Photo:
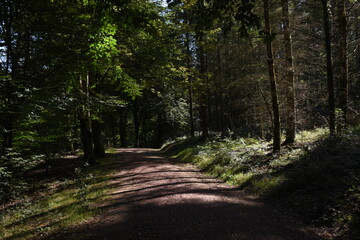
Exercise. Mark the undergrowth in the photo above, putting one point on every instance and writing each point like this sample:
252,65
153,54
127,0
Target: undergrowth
57,206
317,178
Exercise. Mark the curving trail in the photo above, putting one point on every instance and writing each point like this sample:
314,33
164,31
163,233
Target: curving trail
156,198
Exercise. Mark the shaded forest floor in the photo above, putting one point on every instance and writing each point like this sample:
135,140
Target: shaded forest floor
60,197
143,194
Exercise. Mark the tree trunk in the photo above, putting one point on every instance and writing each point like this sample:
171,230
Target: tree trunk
85,125
8,118
99,149
343,60
160,124
113,134
71,132
188,60
272,77
8,36
203,92
143,132
219,125
9,64
329,68
136,123
257,111
87,138
289,79
123,121
8,136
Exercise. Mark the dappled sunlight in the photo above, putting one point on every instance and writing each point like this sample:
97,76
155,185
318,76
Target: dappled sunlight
318,177
155,198
165,200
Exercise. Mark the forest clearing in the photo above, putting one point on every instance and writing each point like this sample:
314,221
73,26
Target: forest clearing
180,119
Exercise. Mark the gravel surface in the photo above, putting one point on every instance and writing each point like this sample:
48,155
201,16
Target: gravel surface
155,198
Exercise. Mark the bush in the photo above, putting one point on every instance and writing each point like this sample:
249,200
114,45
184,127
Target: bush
12,168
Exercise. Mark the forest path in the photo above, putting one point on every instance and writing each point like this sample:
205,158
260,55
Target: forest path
156,198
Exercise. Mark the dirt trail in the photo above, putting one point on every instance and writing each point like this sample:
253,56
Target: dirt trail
157,198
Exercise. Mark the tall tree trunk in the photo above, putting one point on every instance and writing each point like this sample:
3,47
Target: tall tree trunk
7,135
10,64
8,36
136,123
143,131
8,117
71,132
289,80
99,149
160,124
207,93
258,114
85,125
329,67
123,121
219,111
113,133
272,77
343,59
87,138
203,92
188,63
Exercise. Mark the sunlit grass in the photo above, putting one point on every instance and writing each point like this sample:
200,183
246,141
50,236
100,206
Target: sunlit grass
240,162
312,135
318,176
62,204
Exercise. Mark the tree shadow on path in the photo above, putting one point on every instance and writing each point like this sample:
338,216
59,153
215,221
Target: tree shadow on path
155,198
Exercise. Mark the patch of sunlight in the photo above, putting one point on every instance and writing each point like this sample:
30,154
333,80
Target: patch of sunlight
264,184
203,162
312,135
240,179
287,158
218,170
69,203
111,150
186,155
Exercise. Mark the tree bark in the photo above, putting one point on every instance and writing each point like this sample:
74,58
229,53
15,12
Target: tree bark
9,64
160,124
136,123
123,121
113,134
343,60
272,77
7,136
188,63
203,92
289,79
329,68
87,138
85,125
99,149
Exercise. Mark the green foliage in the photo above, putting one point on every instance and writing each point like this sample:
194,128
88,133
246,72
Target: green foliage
103,44
84,191
13,166
58,205
229,13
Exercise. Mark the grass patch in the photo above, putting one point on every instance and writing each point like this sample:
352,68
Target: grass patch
58,205
318,177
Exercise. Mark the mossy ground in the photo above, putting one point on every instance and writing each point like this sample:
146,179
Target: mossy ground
57,205
317,178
